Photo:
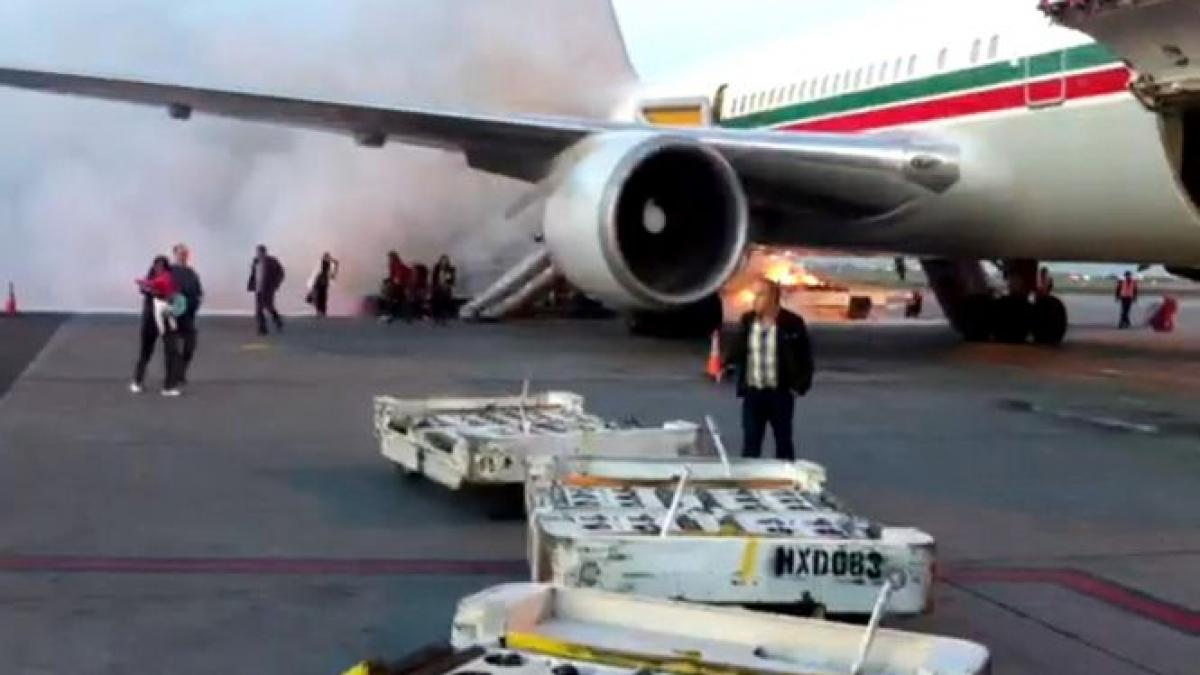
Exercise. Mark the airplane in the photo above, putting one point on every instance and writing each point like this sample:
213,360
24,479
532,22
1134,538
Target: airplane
994,133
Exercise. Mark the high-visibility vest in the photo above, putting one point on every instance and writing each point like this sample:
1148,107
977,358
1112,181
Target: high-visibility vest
1127,289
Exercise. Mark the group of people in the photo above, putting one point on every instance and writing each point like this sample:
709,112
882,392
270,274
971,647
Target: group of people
172,294
416,292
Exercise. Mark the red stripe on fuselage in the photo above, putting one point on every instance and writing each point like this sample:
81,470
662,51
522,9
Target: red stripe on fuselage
1008,97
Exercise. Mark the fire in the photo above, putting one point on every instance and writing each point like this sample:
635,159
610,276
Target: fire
781,267
789,273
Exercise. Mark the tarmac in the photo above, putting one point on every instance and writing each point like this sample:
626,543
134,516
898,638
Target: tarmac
252,526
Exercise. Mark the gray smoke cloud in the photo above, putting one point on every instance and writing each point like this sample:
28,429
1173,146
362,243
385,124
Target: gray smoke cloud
90,191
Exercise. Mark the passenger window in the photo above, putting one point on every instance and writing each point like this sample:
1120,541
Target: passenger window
912,65
858,76
870,75
942,57
975,47
993,47
899,68
802,90
792,94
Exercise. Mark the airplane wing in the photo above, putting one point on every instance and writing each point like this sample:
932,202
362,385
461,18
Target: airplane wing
876,173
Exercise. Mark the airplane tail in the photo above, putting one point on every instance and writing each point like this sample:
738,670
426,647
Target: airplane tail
585,41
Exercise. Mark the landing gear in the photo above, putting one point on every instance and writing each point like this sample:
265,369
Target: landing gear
975,318
1049,320
1014,319
980,316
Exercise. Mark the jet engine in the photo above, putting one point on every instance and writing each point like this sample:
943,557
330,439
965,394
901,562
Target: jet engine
645,220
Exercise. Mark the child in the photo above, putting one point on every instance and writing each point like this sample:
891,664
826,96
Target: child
168,302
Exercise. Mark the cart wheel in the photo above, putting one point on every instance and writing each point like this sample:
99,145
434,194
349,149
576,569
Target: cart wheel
818,612
503,502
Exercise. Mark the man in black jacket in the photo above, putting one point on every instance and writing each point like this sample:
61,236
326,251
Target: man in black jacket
774,363
188,283
266,276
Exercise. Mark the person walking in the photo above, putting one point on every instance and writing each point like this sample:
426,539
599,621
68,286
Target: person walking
188,283
318,284
159,307
418,292
266,276
445,276
395,289
1127,295
774,363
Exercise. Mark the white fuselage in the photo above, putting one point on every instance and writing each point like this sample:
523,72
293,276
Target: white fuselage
1059,160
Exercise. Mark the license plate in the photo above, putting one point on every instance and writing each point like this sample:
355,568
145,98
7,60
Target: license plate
801,561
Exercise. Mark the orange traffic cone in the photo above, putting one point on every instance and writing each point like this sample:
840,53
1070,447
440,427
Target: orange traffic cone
10,306
713,367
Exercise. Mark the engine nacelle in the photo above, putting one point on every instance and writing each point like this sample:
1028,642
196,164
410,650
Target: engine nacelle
644,220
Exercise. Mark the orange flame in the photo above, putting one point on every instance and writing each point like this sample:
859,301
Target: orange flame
787,273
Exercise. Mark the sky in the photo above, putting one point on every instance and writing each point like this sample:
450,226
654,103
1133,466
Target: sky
668,36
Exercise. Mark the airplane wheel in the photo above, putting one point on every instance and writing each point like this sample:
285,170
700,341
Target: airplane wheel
1049,320
1014,319
975,321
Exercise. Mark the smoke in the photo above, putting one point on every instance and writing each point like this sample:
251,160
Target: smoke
91,191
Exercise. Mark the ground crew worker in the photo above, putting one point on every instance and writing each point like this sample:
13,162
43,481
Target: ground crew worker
774,362
1045,283
1127,294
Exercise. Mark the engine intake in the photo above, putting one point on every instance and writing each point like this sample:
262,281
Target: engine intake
645,220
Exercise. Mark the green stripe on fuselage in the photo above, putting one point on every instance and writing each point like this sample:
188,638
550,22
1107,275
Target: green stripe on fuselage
991,75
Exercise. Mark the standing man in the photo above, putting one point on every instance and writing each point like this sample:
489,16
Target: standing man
444,278
774,361
1045,283
188,283
266,276
1127,294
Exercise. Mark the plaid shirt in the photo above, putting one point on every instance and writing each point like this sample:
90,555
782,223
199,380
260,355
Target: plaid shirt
762,365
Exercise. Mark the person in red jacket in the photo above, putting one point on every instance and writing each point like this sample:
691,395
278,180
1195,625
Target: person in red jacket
395,289
159,295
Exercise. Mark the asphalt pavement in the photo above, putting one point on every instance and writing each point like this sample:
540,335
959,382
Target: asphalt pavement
251,525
